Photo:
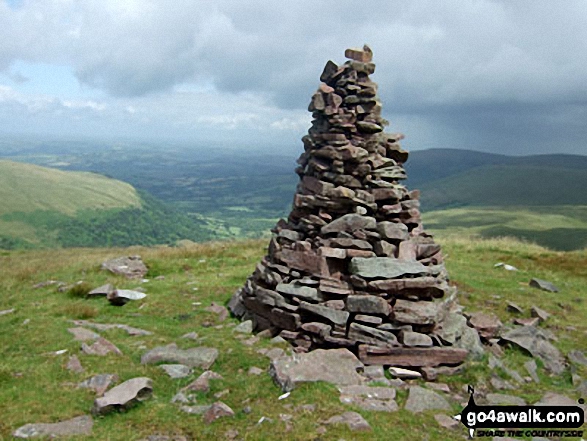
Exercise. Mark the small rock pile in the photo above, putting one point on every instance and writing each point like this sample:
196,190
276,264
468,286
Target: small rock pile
352,266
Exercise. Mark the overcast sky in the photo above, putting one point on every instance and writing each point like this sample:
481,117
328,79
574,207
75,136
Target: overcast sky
497,76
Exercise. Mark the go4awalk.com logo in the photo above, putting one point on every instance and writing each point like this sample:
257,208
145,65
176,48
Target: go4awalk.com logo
535,421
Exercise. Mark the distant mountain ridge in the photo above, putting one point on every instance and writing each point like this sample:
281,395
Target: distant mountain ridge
455,178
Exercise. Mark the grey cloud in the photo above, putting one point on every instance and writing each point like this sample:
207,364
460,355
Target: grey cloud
484,74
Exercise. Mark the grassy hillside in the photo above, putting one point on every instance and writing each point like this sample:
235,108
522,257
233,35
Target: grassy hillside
43,207
35,386
562,227
26,188
507,185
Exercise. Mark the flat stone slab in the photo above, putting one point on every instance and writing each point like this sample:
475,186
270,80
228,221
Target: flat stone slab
535,341
121,297
124,396
336,366
354,420
216,411
74,365
397,372
411,357
101,347
245,327
99,383
176,371
103,290
107,326
77,426
201,357
82,334
131,267
420,400
543,285
7,311
385,267
202,383
378,399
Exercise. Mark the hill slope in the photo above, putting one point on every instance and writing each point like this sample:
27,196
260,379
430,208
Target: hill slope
26,188
43,207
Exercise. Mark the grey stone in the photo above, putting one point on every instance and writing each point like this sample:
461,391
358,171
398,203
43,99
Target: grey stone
219,310
446,421
253,370
366,334
103,290
191,336
487,325
500,384
216,411
374,372
412,339
196,410
334,316
457,333
504,400
7,311
540,313
367,304
131,267
78,426
99,383
121,297
543,285
202,383
392,230
418,313
420,400
201,357
398,372
245,327
385,267
532,368
107,326
535,341
124,396
176,370
100,347
554,399
82,334
379,399
354,420
349,222
298,290
577,357
336,366
512,307
74,365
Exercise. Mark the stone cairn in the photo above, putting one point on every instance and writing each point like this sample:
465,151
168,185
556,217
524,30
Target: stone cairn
352,266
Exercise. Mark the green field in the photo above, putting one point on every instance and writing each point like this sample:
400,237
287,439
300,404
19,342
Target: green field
35,386
559,227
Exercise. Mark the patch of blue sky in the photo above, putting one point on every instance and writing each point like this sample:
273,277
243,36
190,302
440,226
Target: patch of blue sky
13,3
47,79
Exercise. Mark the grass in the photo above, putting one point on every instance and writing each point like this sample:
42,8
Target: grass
35,386
562,228
32,195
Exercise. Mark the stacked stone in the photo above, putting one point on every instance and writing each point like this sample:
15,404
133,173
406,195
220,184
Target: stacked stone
352,266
